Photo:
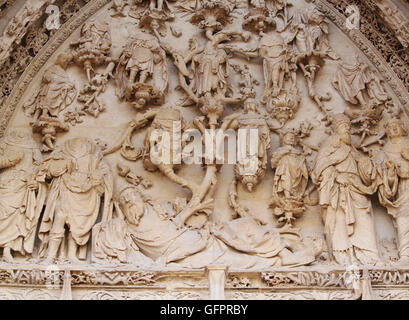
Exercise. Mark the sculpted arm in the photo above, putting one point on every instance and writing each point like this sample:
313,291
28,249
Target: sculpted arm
405,154
388,182
403,166
7,161
54,167
108,183
277,156
391,175
366,170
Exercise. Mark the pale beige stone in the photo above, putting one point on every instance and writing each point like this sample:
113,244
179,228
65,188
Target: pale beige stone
345,180
156,225
79,177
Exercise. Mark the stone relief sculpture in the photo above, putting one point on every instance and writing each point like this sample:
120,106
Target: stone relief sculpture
360,86
252,168
21,195
307,32
157,236
142,72
262,246
153,230
56,93
393,169
279,69
118,7
79,177
152,14
290,179
276,64
89,95
206,83
345,180
93,50
94,46
302,42
163,125
254,215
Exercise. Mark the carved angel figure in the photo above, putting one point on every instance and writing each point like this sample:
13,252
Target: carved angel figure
21,196
142,72
394,188
345,180
290,179
79,178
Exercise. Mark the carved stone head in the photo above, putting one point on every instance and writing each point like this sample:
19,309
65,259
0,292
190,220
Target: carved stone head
289,138
395,128
132,204
63,60
342,127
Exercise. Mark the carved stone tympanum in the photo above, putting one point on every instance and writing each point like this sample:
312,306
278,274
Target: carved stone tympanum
204,149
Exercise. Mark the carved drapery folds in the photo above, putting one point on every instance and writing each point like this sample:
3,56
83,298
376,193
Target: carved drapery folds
123,108
57,92
78,177
142,72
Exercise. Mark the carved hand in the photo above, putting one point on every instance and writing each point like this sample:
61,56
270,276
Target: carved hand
16,157
389,164
32,184
96,179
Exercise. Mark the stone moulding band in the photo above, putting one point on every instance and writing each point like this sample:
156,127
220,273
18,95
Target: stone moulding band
92,7
280,278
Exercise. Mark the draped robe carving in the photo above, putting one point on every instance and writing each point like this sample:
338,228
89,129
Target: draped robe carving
344,185
21,197
394,189
79,177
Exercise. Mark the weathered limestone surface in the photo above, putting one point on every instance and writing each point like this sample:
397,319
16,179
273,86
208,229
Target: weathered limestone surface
91,207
